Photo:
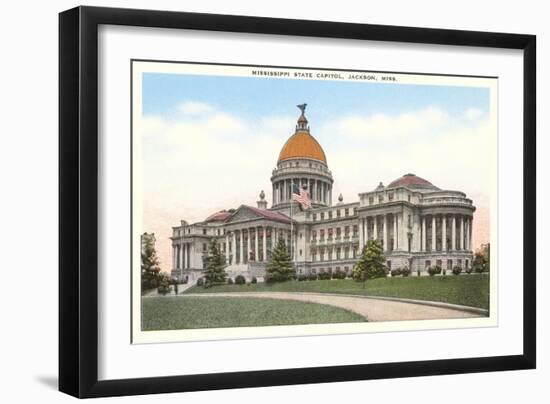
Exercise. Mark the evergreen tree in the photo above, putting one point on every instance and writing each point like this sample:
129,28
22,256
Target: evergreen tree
214,265
280,267
371,264
150,268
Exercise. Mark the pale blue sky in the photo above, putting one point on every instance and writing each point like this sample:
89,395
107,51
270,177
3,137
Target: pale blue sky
251,97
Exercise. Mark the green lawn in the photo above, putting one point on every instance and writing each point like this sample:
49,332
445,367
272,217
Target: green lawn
175,313
468,290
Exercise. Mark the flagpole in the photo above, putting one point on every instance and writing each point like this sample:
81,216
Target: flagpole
291,227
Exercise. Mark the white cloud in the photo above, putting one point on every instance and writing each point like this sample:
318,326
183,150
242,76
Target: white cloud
473,114
194,108
381,126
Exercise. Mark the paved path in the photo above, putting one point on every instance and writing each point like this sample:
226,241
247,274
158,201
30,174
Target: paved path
371,308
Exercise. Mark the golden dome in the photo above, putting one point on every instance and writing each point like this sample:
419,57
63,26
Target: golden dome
302,145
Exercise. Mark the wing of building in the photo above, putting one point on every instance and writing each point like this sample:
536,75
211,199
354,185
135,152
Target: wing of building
418,224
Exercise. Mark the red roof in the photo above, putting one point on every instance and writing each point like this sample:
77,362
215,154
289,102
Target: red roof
269,214
412,181
220,216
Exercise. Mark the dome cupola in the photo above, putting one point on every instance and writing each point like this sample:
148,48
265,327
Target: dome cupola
302,162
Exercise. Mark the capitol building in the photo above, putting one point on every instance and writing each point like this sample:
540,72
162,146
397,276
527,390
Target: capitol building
419,224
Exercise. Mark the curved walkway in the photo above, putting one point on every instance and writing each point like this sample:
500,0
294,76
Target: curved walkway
372,308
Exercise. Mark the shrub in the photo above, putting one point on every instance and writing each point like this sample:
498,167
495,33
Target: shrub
312,277
418,272
435,270
254,280
240,280
468,270
200,282
338,274
405,271
302,278
396,272
325,276
230,281
457,270
207,283
479,270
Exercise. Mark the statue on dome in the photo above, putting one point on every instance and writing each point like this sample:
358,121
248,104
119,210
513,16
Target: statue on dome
302,107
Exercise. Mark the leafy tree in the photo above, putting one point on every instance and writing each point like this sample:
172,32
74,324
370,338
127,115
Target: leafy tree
150,269
214,265
164,283
279,267
371,264
481,261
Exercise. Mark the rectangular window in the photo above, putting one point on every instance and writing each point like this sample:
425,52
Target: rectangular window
371,200
322,215
390,196
203,231
346,212
204,247
330,214
449,264
338,213
314,216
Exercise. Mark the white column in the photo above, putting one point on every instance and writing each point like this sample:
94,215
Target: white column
361,235
256,253
462,233
227,248
444,234
234,248
471,222
241,247
264,242
191,255
385,231
375,228
247,252
182,256
423,246
468,233
433,232
453,234
174,256
186,259
395,245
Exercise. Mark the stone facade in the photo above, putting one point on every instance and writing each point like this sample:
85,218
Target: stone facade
419,224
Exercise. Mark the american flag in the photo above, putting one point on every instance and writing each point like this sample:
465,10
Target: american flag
301,196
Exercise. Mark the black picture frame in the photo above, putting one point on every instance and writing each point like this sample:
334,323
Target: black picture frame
78,200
